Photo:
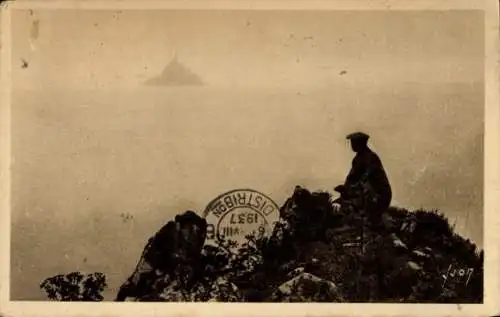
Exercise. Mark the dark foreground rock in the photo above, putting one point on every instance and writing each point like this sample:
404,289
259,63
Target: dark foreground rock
174,252
316,253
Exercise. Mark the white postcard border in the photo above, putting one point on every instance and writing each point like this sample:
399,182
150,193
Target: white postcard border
491,180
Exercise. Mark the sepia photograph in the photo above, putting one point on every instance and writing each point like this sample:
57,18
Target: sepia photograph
242,155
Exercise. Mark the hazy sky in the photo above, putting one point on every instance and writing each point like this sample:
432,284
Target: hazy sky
282,89
96,49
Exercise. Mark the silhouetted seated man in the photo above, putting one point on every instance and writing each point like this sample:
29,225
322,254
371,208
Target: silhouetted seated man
368,174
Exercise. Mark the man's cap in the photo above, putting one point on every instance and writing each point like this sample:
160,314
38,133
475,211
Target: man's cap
358,136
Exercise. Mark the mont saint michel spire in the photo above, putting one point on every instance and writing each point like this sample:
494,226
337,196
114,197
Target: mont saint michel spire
176,74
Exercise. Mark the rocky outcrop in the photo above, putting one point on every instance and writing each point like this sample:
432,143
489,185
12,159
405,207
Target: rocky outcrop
304,217
174,251
316,252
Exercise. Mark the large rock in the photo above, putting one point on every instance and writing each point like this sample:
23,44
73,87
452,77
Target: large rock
305,216
174,250
306,287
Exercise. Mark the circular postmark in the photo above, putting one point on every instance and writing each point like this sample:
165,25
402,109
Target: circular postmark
238,213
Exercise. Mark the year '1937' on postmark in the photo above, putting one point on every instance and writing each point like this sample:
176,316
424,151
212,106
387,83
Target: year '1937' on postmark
220,155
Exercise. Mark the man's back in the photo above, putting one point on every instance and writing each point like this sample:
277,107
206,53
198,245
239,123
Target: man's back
367,167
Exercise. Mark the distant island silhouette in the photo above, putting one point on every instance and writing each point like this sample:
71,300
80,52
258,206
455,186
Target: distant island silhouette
175,74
